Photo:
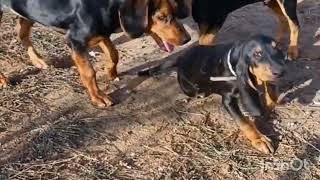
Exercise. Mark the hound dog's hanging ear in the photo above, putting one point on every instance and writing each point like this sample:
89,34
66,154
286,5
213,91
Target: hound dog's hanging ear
243,71
251,103
133,15
242,68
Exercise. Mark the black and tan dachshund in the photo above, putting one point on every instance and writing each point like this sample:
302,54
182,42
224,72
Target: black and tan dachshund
253,67
210,16
89,23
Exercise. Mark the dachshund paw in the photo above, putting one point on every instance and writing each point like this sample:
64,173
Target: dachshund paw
263,144
101,100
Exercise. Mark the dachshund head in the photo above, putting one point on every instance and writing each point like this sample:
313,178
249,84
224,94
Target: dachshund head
259,58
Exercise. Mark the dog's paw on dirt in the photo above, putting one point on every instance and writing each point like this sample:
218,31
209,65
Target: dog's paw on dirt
263,144
101,100
39,63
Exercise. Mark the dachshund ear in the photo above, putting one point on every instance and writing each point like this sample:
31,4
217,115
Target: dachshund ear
242,72
133,15
249,96
242,68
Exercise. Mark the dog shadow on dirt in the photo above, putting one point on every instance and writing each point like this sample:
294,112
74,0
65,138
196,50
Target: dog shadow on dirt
68,128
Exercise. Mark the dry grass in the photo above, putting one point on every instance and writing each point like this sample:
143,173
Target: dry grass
49,130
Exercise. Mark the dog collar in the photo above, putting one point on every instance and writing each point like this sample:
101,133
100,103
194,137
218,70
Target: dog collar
226,78
231,78
229,64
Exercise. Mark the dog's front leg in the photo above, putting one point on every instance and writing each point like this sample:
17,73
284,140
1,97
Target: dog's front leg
88,75
110,55
112,58
258,140
24,31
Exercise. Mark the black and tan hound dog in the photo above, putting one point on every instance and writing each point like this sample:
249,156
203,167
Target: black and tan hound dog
252,66
210,16
89,23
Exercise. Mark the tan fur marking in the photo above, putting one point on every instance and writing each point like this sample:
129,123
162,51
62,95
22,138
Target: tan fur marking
24,30
271,96
262,72
207,36
110,53
3,81
111,57
88,77
173,31
285,23
258,140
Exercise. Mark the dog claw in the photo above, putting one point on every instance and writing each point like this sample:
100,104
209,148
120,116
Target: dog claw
263,144
102,101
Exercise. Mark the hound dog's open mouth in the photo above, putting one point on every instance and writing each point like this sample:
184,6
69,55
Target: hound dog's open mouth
165,46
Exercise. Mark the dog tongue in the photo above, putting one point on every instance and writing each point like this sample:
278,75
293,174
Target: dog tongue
169,47
164,46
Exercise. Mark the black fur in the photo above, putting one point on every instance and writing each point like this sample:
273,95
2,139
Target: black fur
89,24
199,63
84,19
213,14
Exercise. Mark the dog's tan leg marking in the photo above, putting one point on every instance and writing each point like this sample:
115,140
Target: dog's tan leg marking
88,77
257,139
207,36
286,24
111,56
24,30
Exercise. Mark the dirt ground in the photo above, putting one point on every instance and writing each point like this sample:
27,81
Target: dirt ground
49,129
